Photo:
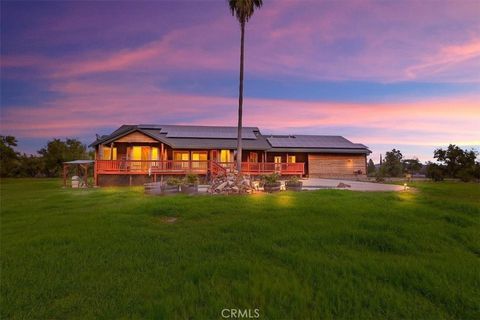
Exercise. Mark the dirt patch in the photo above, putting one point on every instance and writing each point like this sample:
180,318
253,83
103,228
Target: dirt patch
168,220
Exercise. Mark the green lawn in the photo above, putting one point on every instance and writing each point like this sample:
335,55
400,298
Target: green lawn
108,253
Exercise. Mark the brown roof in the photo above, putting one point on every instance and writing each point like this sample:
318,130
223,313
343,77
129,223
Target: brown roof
220,137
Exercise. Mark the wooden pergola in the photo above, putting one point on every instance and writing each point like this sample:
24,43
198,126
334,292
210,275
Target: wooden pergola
79,165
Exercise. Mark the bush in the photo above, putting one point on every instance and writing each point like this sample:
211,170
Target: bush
466,174
371,169
174,181
271,178
293,181
476,171
380,174
435,172
191,179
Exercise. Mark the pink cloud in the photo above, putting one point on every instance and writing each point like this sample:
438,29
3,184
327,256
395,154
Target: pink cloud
85,108
448,57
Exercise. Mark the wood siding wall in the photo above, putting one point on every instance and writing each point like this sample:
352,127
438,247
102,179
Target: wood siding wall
136,137
336,165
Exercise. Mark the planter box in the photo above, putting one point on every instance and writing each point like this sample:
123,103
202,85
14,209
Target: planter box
272,187
154,188
170,189
190,189
294,186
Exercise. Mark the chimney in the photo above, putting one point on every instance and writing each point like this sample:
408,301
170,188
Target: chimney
380,158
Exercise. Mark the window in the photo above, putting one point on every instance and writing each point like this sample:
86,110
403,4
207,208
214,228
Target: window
136,153
291,159
181,155
224,155
199,159
154,153
253,157
199,155
107,153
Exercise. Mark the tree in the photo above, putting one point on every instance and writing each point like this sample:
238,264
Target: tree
392,165
458,163
435,171
371,167
243,11
57,151
412,165
31,166
8,156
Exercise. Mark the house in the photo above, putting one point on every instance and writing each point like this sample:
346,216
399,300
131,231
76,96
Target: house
134,154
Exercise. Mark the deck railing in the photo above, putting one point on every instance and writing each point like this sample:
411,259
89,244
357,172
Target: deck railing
271,167
193,166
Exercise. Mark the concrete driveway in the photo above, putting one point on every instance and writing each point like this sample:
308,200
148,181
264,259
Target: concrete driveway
317,183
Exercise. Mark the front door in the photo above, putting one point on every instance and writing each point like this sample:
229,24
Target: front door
278,163
140,155
214,155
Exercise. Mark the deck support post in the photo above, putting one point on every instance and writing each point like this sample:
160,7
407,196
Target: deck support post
95,176
162,155
64,175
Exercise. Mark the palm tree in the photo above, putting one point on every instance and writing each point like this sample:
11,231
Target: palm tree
243,11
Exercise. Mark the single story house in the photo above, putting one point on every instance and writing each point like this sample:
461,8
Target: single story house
134,154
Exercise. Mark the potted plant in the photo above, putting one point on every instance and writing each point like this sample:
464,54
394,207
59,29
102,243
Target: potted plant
294,184
190,184
271,183
172,185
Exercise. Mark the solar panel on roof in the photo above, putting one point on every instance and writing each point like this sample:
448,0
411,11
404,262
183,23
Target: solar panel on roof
207,132
304,141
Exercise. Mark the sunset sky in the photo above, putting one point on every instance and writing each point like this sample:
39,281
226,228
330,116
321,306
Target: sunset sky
388,74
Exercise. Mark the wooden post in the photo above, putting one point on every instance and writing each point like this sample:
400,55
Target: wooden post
64,175
95,177
190,162
85,175
162,156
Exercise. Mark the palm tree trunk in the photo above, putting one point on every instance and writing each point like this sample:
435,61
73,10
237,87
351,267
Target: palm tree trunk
240,103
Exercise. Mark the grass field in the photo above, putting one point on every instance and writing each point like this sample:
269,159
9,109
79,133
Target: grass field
109,253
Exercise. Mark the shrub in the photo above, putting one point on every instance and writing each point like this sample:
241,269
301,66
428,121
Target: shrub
380,175
371,169
476,171
435,172
466,174
191,179
174,181
270,178
293,180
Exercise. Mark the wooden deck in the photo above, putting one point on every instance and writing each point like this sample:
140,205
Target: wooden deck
172,167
